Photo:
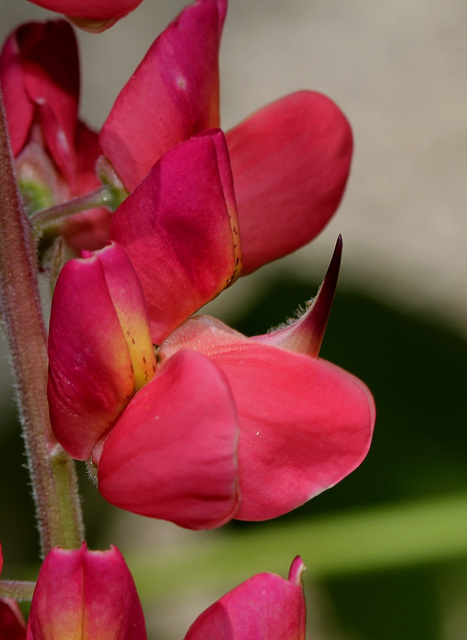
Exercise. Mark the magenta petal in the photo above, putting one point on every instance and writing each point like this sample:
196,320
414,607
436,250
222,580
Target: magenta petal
265,607
91,372
173,94
290,163
172,454
179,228
304,425
90,9
85,594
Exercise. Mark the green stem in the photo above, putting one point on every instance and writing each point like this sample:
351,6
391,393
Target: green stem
18,590
102,197
54,483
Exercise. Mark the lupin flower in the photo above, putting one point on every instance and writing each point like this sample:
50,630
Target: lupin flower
55,152
85,594
265,607
303,424
213,425
290,160
91,15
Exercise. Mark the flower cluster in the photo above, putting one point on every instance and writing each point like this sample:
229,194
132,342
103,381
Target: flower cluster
179,416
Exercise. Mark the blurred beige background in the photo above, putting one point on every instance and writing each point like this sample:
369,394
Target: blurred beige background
399,71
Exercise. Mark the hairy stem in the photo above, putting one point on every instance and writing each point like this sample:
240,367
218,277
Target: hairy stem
100,198
54,485
18,590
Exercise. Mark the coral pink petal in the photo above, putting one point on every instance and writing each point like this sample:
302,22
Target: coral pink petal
265,607
172,454
304,425
290,163
179,228
90,9
91,376
85,594
173,94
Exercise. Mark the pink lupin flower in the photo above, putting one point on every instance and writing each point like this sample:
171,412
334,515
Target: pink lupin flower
91,15
226,426
290,160
82,594
265,607
304,424
55,152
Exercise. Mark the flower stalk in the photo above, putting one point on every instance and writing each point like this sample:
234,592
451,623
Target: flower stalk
19,590
53,476
102,197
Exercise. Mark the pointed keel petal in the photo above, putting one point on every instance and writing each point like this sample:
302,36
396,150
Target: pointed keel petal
306,334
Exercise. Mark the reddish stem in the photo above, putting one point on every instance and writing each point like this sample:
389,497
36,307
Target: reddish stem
58,509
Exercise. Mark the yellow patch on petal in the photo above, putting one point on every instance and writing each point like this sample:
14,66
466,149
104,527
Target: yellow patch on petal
141,351
130,306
